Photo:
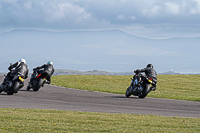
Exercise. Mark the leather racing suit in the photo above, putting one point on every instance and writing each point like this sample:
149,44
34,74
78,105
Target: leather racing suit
20,67
48,69
149,72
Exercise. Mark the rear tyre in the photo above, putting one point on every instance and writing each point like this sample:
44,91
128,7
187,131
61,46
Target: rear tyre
38,85
14,88
128,92
145,91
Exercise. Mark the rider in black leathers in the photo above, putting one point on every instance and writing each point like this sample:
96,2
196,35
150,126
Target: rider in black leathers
48,69
20,67
149,72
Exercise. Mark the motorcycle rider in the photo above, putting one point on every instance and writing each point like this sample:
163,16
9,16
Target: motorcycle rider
149,72
47,68
20,67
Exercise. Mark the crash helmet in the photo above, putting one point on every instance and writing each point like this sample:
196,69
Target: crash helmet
22,60
49,63
150,65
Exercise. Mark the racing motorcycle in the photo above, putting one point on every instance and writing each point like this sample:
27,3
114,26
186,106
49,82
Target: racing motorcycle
13,86
37,81
140,86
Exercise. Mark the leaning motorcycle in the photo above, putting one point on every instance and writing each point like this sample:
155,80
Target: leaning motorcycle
13,86
140,86
37,81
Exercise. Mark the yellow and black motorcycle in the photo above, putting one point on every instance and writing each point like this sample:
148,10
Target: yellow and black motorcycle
13,86
140,86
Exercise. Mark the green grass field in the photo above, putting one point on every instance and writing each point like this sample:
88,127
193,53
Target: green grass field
53,121
179,87
184,87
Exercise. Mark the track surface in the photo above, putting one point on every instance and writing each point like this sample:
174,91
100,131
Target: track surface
59,98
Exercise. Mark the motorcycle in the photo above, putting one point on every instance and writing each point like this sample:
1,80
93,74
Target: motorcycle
37,81
140,86
13,86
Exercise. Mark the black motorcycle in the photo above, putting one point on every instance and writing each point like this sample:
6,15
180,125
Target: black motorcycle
37,80
140,86
13,86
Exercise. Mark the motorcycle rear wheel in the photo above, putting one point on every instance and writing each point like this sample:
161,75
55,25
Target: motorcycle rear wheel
145,91
38,85
14,88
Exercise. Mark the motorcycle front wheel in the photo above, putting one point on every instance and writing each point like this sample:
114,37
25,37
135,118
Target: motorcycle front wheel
128,92
1,90
14,88
38,85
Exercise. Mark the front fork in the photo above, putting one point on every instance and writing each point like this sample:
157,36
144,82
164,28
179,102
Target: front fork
136,85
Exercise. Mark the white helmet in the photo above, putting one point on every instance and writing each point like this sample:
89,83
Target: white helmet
22,60
49,62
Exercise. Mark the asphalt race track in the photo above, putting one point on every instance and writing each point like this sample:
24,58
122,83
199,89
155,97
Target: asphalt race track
60,98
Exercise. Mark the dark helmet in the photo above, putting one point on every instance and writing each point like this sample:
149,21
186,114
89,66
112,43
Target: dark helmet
150,65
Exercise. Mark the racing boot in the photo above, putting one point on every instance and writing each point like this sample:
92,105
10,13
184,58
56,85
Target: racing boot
28,87
153,87
45,81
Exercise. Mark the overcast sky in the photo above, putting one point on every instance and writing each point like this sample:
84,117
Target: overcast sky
143,18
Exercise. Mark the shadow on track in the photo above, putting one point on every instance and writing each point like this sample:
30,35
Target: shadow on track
124,97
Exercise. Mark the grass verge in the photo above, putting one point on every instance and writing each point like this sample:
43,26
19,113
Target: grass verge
53,121
179,87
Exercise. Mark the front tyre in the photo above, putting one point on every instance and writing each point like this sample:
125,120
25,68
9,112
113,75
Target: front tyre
38,85
128,92
145,91
1,88
14,88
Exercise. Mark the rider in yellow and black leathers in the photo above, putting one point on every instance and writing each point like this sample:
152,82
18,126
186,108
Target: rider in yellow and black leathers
20,67
149,72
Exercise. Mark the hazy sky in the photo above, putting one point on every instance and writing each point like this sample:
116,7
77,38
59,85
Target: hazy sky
144,18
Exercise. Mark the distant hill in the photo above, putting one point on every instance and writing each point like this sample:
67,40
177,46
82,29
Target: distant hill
96,72
109,50
93,72
168,73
